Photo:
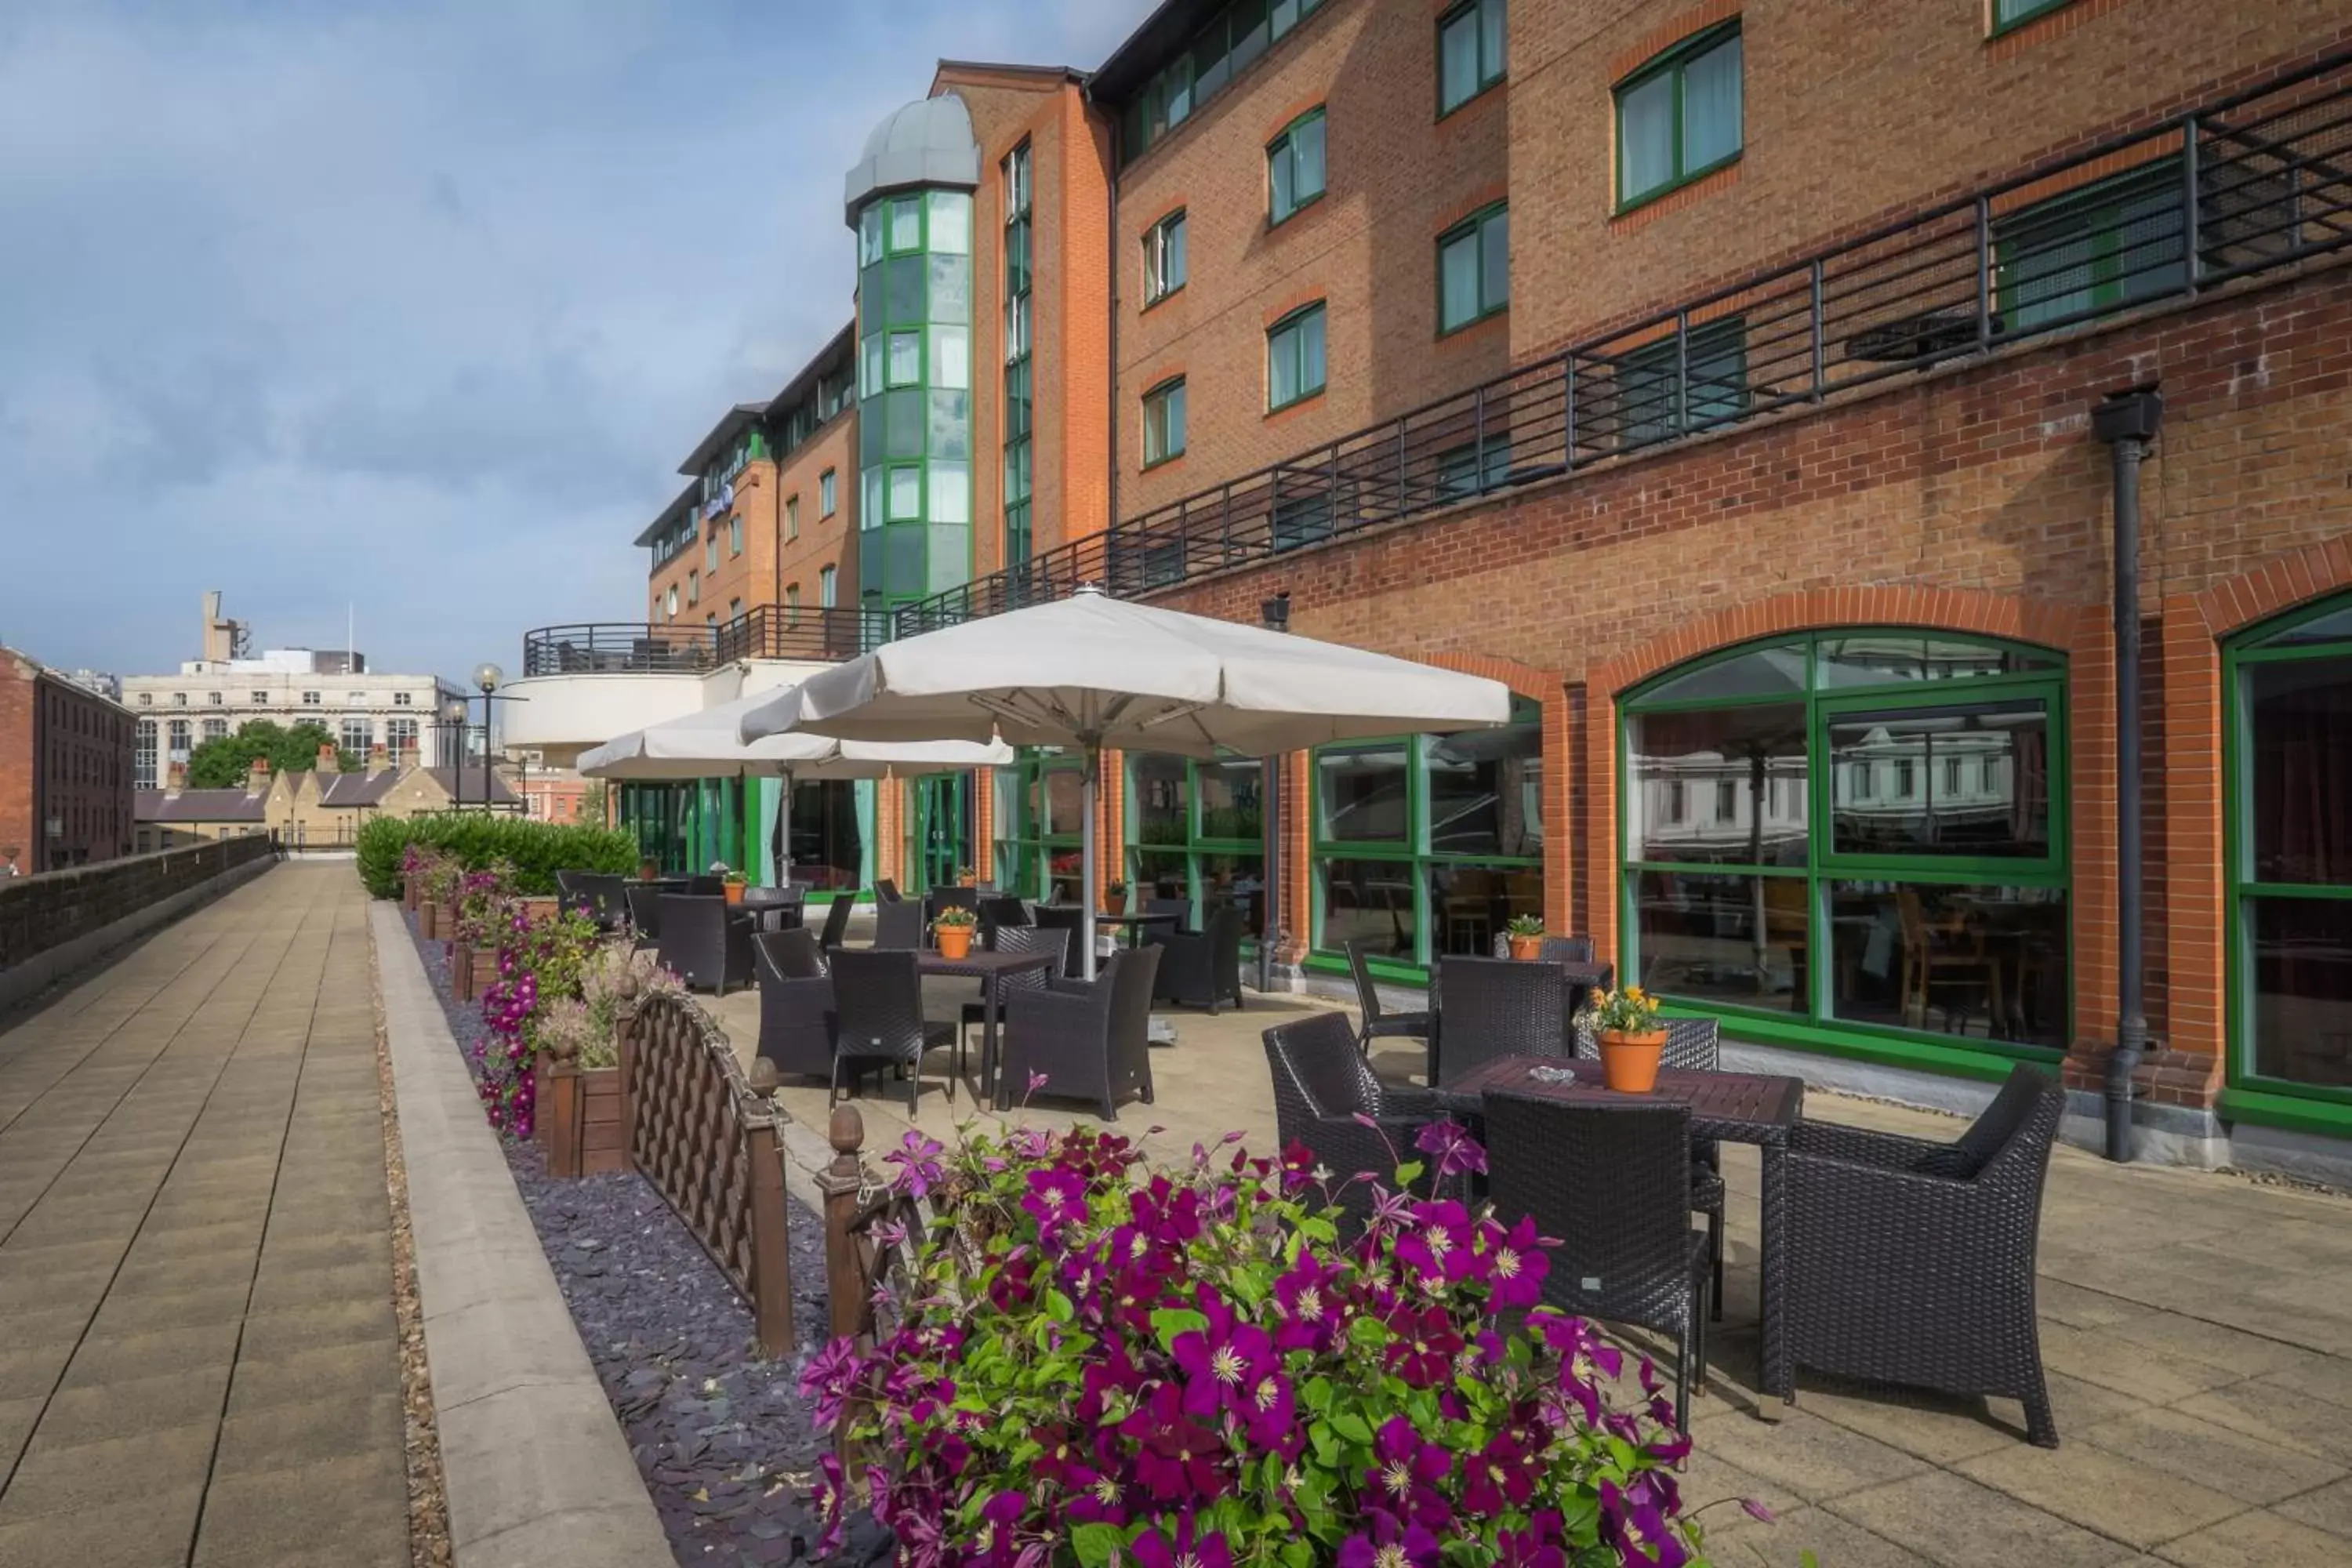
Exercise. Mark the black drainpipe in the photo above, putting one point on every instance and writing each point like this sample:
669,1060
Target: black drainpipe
2127,423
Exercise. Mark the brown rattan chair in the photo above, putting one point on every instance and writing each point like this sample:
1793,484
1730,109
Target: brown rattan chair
878,1003
1379,1023
1489,1007
706,941
1321,1084
1090,1041
795,1003
998,913
1612,1182
1202,968
885,891
1913,1262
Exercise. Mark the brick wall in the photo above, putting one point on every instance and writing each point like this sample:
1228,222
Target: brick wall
823,541
1396,176
37,913
65,757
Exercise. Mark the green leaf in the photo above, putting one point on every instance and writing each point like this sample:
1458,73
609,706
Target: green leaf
1058,1308
1409,1172
1296,1554
1352,1426
1095,1544
1367,1332
1317,1394
1327,1444
1166,1322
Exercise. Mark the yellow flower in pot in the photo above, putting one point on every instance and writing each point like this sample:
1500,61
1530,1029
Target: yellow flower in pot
953,931
1526,935
1631,1037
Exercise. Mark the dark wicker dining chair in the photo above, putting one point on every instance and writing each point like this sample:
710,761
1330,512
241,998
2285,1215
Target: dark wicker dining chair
606,903
707,886
645,911
998,913
1614,1183
885,891
1090,1041
1202,968
877,1006
1055,917
1489,1007
836,918
1692,1045
1912,1262
899,925
1013,939
573,895
1379,1023
706,942
1180,908
1321,1084
795,1003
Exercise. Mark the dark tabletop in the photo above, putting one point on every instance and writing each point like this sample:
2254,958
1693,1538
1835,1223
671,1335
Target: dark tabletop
1163,917
1738,1106
983,962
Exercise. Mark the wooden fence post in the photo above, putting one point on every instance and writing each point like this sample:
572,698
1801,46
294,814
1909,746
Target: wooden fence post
771,1267
845,1285
625,1041
561,1112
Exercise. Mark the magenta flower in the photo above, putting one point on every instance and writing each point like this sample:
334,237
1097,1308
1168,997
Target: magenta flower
1270,1413
1451,1145
1187,1550
918,1162
1423,1349
1390,1544
1501,1475
1537,1546
1221,1361
1177,1457
1098,1497
1166,1212
826,1378
1303,1298
1633,1518
1516,1266
1406,1473
1057,1198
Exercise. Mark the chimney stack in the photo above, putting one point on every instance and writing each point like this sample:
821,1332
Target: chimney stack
256,778
408,759
379,759
175,779
329,762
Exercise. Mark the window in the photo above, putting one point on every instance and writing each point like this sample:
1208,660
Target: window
669,601
1163,422
216,729
261,699
309,699
1469,52
1431,845
1197,833
2289,793
1831,885
1474,269
711,552
146,699
179,700
827,587
404,699
2100,249
694,588
1669,388
1019,408
399,738
735,534
1164,258
2008,14
1038,823
357,735
828,494
1294,166
791,517
212,698
1294,358
792,604
1679,116
734,609
178,736
1235,40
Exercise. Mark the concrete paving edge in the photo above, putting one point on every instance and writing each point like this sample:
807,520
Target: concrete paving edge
536,1470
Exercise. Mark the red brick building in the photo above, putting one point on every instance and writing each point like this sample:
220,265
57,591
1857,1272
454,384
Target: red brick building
65,769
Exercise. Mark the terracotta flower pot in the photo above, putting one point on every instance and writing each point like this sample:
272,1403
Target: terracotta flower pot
1629,1063
648,870
734,891
1527,949
955,942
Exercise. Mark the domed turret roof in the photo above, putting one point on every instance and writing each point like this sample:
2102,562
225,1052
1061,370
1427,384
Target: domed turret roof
926,143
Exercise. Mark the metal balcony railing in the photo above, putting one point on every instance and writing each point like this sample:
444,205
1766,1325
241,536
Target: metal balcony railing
628,647
2255,182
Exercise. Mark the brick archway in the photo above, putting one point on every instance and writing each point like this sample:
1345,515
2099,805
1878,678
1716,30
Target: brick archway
2078,631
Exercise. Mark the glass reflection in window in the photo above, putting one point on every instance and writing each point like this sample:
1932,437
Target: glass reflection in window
1894,793
1687,768
1988,963
1729,937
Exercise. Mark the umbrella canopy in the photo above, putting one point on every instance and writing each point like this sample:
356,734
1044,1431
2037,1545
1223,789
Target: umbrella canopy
1094,671
709,744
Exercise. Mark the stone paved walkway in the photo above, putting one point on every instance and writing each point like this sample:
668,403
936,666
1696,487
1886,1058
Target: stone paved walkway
198,1364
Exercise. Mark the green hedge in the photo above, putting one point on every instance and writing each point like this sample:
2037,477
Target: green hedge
537,850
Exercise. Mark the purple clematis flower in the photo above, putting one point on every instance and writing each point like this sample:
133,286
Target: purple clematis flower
1537,1546
1178,1457
1405,1475
1305,1297
1499,1476
1057,1198
918,1162
1389,1545
826,1380
1221,1361
1633,1518
1270,1413
1451,1145
1189,1549
1515,1265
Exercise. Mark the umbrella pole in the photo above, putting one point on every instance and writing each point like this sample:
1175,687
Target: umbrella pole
1088,787
785,834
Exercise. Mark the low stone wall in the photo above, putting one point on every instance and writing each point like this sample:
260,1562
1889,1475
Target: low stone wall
58,920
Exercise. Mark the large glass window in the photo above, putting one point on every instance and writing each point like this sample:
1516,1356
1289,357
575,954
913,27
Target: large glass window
1858,827
1294,358
1017,383
1676,385
1474,269
2098,248
1294,166
1194,829
2291,854
1163,422
1039,817
1429,845
1164,258
1469,52
827,835
1679,116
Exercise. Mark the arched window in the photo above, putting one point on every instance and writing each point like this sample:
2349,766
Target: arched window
2289,685
1859,828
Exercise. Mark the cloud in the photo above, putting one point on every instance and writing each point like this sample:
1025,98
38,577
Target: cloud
414,306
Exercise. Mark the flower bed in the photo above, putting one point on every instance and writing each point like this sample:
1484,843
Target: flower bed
1200,1369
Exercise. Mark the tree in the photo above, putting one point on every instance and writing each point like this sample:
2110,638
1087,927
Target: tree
595,802
227,762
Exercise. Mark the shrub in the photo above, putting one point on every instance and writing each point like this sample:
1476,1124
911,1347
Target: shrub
535,851
1199,1369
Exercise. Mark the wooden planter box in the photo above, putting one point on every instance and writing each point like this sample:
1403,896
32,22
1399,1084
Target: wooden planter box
471,970
428,921
580,1118
539,911
408,895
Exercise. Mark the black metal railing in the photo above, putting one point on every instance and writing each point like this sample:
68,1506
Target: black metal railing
2261,181
629,648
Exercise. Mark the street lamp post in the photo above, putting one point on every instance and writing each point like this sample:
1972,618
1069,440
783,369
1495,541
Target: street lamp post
453,728
488,675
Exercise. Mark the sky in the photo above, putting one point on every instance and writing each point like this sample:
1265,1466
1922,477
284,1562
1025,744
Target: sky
408,311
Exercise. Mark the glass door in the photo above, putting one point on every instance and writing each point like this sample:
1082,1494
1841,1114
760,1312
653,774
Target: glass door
940,842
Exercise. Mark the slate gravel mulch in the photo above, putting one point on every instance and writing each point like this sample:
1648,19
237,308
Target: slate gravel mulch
723,1440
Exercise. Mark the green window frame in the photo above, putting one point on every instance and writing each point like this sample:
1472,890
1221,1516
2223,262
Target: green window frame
1672,388
828,493
1036,849
1474,269
2010,14
1472,41
1669,134
2099,249
1200,853
1295,166
1163,422
735,534
2302,653
1234,38
1164,258
1391,863
1831,717
1020,413
1295,357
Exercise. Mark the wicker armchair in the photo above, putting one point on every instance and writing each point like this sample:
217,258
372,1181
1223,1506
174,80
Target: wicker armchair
1014,939
795,1003
899,925
706,887
607,906
1181,908
836,918
706,942
1692,1045
591,893
645,911
1489,1007
1091,1042
940,898
1073,920
1912,1262
885,891
1612,1181
791,901
1000,913
878,1003
1203,968
1321,1084
1379,1024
